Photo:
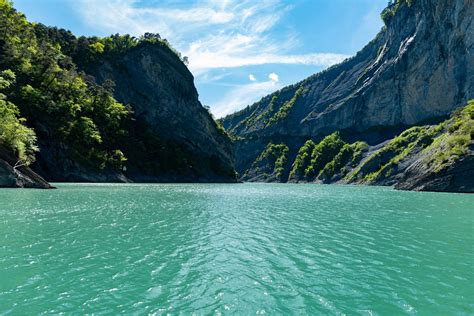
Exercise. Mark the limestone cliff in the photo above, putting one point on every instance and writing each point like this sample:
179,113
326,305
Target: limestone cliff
159,88
167,135
418,69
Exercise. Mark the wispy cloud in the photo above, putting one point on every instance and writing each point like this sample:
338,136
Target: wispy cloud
240,39
244,95
214,34
203,60
127,16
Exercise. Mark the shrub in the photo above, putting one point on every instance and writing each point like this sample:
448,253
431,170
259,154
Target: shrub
323,153
274,157
14,134
382,162
337,163
302,160
454,142
262,117
285,108
392,9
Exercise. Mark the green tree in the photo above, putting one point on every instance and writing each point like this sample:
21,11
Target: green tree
14,135
74,112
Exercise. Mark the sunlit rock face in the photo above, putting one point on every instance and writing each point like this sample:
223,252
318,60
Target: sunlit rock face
419,68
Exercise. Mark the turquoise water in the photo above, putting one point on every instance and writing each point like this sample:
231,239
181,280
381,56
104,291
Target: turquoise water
243,249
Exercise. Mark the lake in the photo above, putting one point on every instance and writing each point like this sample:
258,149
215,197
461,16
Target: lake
235,248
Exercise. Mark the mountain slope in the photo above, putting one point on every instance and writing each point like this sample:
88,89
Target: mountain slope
159,88
109,109
418,69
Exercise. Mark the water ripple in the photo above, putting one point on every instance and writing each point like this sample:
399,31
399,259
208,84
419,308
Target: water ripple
245,249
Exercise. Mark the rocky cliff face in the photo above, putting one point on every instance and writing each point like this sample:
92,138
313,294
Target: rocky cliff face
110,109
166,134
159,88
419,68
456,177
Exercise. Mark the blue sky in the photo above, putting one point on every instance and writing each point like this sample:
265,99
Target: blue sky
239,50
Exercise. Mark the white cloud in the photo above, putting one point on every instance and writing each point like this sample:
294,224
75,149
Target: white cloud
243,95
214,34
204,60
273,77
125,16
240,39
252,77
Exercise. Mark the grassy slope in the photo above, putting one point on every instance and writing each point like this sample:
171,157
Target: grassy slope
333,159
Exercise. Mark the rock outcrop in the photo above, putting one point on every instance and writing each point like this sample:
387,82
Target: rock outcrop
456,177
18,177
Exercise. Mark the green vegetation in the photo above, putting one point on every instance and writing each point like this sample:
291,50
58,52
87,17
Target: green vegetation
338,162
323,153
285,108
55,98
392,9
87,49
358,148
383,162
220,128
262,113
274,157
302,160
14,135
120,43
455,141
325,159
262,117
217,122
255,118
239,117
441,144
348,153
